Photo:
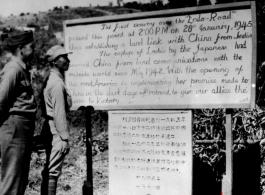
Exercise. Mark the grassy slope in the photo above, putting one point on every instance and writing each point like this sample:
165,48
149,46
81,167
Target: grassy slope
74,169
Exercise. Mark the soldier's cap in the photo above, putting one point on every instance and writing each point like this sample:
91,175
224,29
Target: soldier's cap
56,51
20,39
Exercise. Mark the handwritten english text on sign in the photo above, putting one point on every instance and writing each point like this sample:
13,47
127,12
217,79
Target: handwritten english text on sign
188,60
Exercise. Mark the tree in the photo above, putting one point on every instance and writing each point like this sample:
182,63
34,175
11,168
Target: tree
22,14
132,5
224,1
177,4
66,7
205,2
181,4
119,2
192,3
159,4
55,8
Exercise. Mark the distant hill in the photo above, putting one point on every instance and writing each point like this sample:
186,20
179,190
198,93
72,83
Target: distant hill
24,20
56,17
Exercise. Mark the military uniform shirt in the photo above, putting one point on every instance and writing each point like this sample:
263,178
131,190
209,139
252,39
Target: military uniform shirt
57,103
16,93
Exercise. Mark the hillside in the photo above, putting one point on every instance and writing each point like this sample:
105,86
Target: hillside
56,17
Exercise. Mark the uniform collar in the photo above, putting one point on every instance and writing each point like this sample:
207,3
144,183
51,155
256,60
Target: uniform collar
57,73
19,61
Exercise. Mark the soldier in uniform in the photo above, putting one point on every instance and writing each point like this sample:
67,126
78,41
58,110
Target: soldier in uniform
17,115
57,103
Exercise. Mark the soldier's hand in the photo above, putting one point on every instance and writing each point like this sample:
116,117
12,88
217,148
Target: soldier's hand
65,147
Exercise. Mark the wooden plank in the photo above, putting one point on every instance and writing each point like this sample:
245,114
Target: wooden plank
254,52
227,182
88,184
170,12
224,141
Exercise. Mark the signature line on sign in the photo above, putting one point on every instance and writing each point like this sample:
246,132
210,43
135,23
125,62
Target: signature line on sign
244,100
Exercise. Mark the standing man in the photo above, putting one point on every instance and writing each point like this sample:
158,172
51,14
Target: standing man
57,103
17,115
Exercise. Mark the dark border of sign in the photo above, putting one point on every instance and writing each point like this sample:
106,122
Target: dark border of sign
178,12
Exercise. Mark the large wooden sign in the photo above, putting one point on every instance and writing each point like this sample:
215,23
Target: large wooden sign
203,57
150,152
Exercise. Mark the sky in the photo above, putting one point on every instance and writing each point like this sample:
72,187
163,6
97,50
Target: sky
16,7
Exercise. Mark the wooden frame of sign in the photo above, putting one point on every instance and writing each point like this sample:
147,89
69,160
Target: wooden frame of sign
198,57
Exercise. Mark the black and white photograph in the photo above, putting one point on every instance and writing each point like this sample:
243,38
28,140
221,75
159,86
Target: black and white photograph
132,97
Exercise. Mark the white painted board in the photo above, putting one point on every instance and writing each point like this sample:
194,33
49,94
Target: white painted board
150,152
171,59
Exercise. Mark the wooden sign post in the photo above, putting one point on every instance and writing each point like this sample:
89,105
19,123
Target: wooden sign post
88,184
227,182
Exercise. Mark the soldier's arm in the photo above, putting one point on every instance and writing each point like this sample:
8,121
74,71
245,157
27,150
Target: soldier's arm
8,82
59,115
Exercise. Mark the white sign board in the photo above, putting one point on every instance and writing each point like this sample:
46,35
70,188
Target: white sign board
150,152
190,58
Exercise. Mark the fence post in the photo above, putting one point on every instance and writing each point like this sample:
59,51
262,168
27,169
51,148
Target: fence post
227,182
88,184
